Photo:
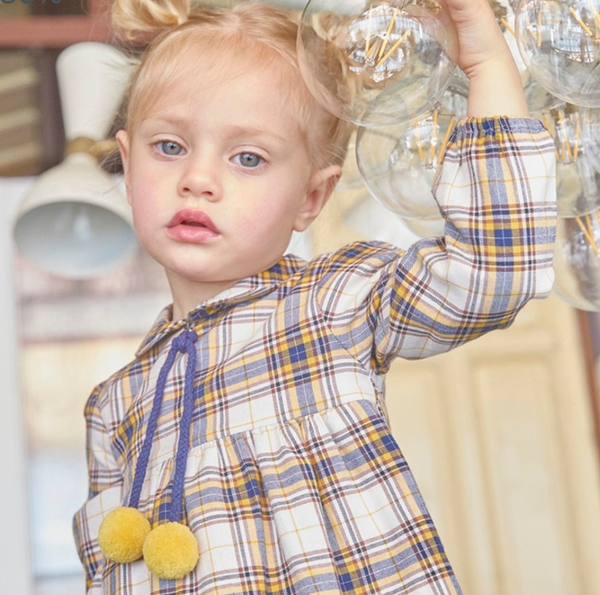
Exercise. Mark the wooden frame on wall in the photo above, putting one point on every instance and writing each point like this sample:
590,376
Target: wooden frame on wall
57,31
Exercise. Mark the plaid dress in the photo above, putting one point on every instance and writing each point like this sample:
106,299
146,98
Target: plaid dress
294,484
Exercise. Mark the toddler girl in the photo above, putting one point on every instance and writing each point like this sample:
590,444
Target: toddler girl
245,449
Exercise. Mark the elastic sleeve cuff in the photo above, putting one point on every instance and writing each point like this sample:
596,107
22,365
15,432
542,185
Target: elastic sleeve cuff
495,125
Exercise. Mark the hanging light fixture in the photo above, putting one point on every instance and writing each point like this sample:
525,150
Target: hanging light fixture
75,221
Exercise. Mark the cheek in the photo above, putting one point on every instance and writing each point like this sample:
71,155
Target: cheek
272,218
145,190
145,208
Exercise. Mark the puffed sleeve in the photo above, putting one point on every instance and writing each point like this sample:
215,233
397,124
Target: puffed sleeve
105,489
496,191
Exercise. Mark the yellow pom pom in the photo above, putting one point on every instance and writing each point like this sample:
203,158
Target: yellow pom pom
122,534
171,551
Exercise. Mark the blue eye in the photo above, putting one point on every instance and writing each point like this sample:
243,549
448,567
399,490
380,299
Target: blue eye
248,160
169,147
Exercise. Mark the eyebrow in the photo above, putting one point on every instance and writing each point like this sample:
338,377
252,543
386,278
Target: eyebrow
233,130
171,120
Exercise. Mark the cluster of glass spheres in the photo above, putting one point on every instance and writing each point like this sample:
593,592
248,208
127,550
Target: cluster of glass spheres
389,67
379,62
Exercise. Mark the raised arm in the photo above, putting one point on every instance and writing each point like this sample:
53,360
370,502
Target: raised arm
496,191
495,83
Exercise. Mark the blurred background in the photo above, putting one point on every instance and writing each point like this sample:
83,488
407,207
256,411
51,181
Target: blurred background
503,435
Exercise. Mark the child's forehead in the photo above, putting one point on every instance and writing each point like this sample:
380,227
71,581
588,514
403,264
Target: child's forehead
211,68
242,89
218,58
187,82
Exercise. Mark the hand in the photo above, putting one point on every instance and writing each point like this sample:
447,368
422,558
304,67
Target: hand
480,39
484,56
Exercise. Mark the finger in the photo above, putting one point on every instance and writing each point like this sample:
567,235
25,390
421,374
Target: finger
469,12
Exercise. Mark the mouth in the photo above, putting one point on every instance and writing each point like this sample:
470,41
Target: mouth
193,219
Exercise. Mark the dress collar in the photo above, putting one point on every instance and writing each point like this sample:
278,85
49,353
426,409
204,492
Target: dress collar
246,290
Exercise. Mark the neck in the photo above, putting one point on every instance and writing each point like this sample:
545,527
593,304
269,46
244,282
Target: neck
188,295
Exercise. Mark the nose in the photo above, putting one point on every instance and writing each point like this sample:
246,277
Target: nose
200,177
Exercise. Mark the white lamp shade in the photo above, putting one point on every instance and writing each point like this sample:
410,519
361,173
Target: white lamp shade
92,78
75,222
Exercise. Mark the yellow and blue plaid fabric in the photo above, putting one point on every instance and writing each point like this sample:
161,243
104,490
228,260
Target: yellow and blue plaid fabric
294,484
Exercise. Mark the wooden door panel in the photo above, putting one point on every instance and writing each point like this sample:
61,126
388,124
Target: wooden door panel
500,437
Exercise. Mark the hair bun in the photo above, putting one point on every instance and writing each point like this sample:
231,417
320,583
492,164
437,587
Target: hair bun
132,18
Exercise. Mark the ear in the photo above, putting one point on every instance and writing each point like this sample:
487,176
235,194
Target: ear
124,146
322,184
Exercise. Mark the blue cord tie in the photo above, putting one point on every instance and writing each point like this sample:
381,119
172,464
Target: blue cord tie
184,343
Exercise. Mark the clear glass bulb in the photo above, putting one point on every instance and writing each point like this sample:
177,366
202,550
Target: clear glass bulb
379,62
399,162
577,261
577,181
351,178
590,131
427,228
538,98
559,41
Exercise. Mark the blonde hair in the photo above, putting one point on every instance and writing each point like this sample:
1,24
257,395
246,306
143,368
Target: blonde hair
247,31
